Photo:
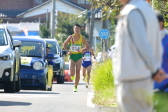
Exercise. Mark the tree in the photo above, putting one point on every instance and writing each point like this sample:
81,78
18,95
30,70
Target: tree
65,25
162,6
110,8
44,30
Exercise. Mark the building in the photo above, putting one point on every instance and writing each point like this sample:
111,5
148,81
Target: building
10,9
34,11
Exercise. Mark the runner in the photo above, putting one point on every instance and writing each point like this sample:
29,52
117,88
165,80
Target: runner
76,40
87,63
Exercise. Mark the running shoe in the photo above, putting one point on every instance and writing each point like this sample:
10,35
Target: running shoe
87,85
72,77
75,89
83,78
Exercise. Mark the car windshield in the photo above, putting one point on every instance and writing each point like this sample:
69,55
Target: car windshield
53,47
3,40
31,49
66,66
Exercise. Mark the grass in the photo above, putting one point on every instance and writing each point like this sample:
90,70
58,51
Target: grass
103,84
160,101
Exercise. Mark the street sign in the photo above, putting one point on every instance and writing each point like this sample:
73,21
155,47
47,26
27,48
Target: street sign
104,33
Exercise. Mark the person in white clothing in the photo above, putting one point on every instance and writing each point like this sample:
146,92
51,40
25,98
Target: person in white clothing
138,56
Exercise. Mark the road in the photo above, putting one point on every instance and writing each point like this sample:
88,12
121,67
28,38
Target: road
60,99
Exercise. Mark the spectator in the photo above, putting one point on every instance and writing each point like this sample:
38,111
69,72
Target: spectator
163,86
138,56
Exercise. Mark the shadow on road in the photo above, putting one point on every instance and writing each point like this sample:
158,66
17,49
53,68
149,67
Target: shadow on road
30,92
27,92
11,103
71,83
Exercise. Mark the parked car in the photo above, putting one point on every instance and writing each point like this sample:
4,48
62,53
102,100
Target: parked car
58,66
67,76
34,65
9,62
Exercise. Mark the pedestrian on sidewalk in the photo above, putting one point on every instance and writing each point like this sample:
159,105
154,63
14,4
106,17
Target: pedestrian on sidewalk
76,40
138,56
87,63
163,86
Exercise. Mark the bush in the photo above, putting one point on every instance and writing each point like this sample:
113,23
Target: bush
160,101
103,84
102,76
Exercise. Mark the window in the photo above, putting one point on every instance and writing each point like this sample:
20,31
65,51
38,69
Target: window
32,49
3,39
11,40
53,47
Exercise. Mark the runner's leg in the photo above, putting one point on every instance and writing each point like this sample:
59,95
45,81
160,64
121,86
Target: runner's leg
88,73
83,72
72,67
78,67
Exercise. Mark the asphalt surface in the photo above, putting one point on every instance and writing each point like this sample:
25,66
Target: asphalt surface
60,99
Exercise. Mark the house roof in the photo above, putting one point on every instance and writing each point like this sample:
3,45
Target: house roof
12,13
47,2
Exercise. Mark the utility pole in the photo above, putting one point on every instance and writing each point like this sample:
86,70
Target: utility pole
91,39
53,20
104,41
47,18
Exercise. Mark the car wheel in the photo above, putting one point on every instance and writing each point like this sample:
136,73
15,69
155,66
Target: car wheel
18,84
9,87
60,79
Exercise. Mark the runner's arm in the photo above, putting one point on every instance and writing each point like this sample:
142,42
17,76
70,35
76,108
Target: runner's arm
66,43
85,43
92,53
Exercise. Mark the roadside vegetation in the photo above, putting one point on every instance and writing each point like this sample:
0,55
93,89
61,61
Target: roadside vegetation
102,79
160,101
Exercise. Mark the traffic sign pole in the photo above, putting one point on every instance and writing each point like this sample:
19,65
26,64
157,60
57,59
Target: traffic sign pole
103,49
104,34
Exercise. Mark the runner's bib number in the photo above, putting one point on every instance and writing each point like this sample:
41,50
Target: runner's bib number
75,48
87,57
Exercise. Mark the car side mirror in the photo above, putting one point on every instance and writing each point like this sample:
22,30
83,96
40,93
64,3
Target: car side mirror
17,43
50,56
64,52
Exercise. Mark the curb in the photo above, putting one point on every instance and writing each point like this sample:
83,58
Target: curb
100,108
108,109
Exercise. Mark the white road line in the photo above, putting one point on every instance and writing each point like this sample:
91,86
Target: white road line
89,100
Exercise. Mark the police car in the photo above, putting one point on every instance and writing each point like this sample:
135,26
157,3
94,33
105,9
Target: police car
34,65
9,62
58,66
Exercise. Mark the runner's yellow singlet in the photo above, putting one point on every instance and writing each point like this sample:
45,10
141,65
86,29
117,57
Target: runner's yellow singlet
76,45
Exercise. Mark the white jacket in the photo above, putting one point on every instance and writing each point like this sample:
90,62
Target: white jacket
138,43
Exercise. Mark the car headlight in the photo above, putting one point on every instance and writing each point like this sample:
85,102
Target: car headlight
56,61
37,65
5,58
